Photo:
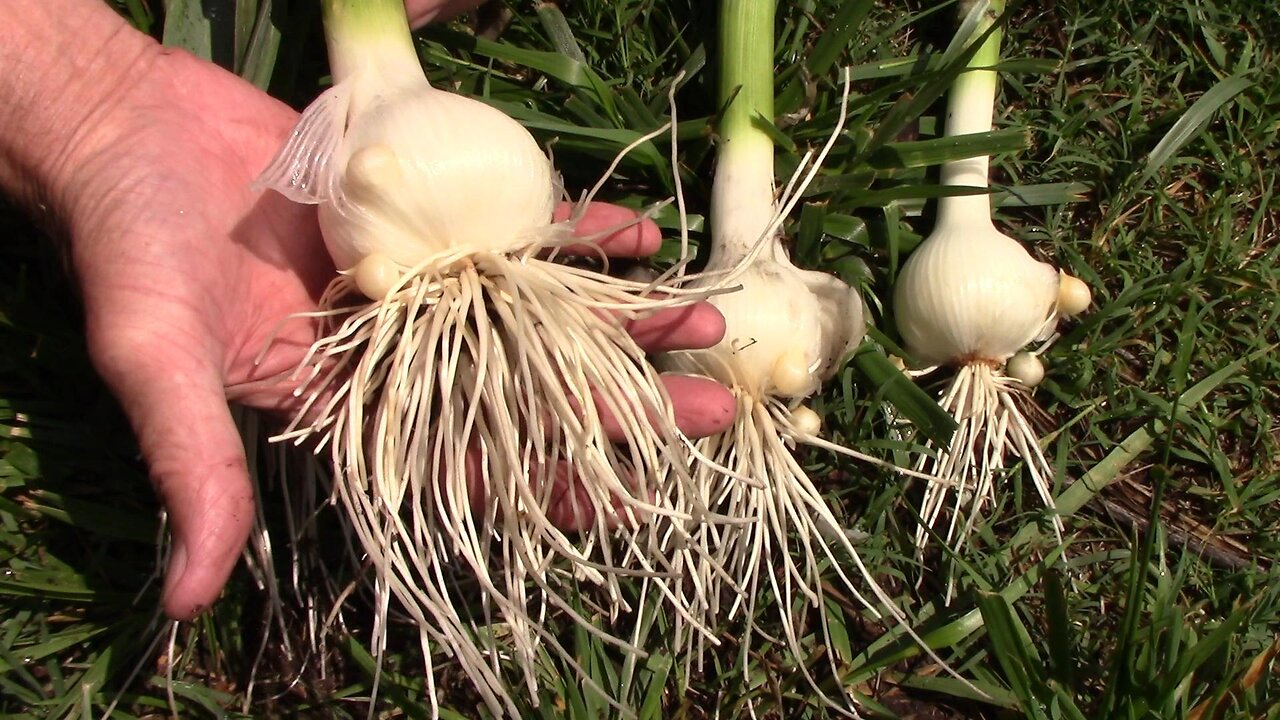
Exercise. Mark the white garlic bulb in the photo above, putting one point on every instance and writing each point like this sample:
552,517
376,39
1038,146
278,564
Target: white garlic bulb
407,172
972,294
785,330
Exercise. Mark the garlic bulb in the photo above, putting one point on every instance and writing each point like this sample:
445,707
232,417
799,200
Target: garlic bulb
972,294
413,172
426,171
401,171
785,330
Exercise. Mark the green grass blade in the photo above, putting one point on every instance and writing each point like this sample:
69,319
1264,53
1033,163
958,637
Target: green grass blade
658,668
1193,122
890,384
258,59
63,640
1040,194
894,647
558,66
140,15
246,14
559,32
1012,648
839,32
615,139
1109,469
952,64
390,684
97,518
990,692
935,151
1060,639
132,636
186,26
1196,656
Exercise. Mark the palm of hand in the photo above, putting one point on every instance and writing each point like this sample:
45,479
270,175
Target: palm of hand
177,230
186,272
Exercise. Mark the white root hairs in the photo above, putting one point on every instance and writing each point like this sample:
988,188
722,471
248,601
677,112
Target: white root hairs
784,540
989,428
450,407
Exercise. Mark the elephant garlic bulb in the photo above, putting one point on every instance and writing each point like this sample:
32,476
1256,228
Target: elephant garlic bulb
972,298
970,293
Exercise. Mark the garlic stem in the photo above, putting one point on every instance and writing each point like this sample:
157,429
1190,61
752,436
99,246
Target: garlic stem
372,38
971,110
742,195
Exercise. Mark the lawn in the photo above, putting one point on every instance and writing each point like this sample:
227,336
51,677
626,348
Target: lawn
1137,147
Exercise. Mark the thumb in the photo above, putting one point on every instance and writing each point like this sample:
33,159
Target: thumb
172,393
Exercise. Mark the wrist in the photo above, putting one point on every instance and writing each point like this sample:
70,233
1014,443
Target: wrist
69,64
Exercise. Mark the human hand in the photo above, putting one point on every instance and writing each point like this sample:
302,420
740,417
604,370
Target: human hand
186,275
424,11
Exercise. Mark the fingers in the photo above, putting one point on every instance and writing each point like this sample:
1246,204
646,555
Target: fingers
174,400
624,233
690,327
702,406
565,499
570,505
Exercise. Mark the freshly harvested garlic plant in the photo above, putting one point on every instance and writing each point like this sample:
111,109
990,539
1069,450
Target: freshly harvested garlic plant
972,298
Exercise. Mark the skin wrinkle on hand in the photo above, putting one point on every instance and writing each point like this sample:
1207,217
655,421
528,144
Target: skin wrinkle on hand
65,65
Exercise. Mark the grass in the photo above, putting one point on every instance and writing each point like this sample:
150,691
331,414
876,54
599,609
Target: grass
1139,148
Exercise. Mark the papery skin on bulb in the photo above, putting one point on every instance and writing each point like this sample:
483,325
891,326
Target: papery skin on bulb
972,294
422,171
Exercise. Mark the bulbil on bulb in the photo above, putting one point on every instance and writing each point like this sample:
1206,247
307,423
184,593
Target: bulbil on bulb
1074,295
805,420
1026,368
